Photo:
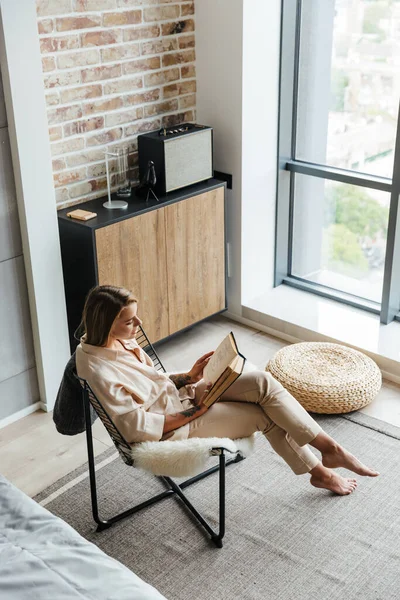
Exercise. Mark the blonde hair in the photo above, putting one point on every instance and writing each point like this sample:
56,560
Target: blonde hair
102,306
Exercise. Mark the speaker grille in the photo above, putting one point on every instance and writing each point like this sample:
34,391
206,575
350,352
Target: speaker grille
188,159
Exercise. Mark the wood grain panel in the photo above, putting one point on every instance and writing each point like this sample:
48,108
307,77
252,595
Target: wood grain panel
132,254
195,258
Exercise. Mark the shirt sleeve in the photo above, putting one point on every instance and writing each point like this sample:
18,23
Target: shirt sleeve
133,422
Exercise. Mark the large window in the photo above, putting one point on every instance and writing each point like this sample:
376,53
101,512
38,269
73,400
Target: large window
339,149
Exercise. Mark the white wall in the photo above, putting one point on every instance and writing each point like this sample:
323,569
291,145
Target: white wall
261,49
18,377
26,112
219,54
237,48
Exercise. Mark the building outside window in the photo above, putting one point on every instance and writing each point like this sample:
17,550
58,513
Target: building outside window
339,152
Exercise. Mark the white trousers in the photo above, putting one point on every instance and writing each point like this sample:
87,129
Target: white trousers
258,402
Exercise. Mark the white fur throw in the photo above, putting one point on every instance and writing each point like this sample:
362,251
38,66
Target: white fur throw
184,458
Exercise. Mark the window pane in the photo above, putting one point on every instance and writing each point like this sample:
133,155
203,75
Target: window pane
349,84
339,235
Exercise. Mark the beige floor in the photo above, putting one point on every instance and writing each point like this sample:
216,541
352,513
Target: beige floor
33,455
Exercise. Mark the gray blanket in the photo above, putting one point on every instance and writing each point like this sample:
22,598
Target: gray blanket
43,558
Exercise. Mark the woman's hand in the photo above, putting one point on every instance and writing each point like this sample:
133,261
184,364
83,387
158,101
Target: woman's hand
196,372
200,404
177,420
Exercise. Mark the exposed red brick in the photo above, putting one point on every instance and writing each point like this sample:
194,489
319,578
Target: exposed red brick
45,26
178,57
123,85
161,77
87,5
66,177
187,9
70,60
150,96
177,119
141,33
188,71
52,7
98,184
131,17
83,126
55,133
101,38
180,88
52,99
54,44
187,101
145,64
48,64
83,189
62,195
105,137
102,105
58,164
161,107
71,23
80,93
67,146
161,13
65,113
99,73
96,170
116,53
142,127
83,158
164,45
186,41
184,26
124,117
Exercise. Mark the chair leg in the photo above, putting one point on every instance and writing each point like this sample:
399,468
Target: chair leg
173,488
101,523
92,472
216,537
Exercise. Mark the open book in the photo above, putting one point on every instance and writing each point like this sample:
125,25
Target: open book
223,368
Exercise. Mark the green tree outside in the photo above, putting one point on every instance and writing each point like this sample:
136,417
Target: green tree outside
341,251
339,83
351,217
353,207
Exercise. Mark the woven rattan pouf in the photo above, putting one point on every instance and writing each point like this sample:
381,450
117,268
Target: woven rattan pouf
326,378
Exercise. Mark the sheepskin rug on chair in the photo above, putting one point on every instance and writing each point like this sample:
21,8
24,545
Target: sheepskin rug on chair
184,458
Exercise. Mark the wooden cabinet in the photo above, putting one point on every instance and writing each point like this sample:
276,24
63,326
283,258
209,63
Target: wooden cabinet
132,254
171,254
195,259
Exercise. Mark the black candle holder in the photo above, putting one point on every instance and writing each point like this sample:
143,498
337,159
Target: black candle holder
149,181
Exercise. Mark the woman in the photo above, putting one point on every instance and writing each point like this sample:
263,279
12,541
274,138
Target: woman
145,404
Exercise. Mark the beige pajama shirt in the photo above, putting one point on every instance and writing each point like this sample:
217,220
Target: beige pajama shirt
137,396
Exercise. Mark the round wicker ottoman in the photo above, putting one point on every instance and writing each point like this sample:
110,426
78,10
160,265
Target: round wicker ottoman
326,378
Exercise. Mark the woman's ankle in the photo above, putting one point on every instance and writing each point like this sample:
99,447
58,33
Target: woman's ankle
320,471
324,443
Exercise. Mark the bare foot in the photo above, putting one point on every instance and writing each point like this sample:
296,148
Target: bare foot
334,482
339,457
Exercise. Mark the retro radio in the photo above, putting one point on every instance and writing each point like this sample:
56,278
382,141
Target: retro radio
182,155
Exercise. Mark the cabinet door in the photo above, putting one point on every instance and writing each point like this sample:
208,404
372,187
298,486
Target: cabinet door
195,258
132,254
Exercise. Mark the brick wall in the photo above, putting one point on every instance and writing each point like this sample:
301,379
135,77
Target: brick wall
112,69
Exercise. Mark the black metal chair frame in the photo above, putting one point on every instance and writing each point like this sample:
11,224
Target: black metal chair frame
173,489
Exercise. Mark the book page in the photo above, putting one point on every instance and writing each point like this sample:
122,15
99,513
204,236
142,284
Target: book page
220,360
225,381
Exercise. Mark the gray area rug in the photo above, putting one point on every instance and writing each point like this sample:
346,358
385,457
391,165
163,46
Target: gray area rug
285,539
